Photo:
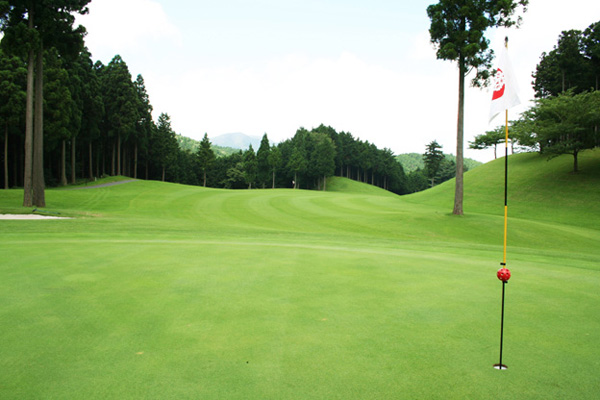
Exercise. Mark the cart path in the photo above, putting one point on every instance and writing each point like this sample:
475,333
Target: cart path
102,185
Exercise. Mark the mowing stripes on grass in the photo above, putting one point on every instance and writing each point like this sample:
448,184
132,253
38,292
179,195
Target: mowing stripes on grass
158,290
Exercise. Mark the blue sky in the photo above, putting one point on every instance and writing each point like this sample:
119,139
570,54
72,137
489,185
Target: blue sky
272,66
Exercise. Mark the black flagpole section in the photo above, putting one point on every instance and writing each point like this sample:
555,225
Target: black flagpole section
503,272
500,365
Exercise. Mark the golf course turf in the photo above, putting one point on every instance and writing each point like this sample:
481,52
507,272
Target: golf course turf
161,291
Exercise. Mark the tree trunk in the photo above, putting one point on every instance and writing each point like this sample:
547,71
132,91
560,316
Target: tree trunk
458,192
91,163
119,154
63,164
295,180
73,156
6,156
163,174
135,161
575,162
28,170
112,163
39,186
273,187
324,183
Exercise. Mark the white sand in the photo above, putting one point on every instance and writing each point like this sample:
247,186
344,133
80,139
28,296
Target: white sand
28,216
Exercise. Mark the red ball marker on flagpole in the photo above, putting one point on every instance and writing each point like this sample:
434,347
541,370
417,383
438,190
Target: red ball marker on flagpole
503,274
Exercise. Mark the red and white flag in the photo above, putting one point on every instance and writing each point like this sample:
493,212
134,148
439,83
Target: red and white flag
506,91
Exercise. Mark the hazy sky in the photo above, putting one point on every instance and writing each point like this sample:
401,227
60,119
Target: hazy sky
272,66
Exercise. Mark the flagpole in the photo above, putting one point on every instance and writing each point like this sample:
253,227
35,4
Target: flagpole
503,263
503,273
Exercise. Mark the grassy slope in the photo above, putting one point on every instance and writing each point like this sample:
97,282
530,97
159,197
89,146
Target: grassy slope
167,291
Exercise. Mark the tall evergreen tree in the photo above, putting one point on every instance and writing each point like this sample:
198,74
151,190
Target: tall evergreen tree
12,101
275,161
205,156
121,105
250,167
144,122
34,25
457,29
433,158
164,145
262,161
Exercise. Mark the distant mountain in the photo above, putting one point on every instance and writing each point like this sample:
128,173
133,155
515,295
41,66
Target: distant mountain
192,145
237,141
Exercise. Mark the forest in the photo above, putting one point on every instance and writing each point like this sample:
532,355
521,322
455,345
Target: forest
65,117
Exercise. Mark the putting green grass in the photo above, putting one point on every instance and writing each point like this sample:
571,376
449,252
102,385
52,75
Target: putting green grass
163,291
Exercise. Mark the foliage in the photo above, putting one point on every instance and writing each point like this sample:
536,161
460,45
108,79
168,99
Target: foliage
433,158
565,124
571,65
205,157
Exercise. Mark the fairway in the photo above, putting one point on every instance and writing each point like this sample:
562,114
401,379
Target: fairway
162,291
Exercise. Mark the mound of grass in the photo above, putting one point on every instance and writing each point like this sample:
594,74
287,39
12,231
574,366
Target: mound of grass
160,290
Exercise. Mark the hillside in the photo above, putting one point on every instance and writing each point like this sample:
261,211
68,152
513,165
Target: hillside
236,140
538,189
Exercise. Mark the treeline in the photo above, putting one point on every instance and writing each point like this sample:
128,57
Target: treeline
97,121
304,161
566,113
65,117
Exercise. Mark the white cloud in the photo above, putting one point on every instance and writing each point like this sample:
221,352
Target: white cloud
117,26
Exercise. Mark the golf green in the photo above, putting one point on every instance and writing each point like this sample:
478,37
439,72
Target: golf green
155,290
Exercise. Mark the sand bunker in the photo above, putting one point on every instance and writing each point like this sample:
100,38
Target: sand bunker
28,216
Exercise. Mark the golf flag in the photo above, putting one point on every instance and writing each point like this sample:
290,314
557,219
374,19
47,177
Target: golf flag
506,91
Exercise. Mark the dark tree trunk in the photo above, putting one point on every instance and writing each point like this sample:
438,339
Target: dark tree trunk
458,192
90,150
135,161
6,156
73,157
119,154
63,164
39,186
28,168
112,163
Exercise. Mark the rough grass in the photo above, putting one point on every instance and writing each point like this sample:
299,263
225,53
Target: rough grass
166,291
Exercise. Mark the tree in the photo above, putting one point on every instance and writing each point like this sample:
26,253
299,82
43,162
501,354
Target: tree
297,162
433,158
121,103
563,68
489,139
12,100
32,25
457,29
205,157
250,167
60,109
324,157
591,49
565,124
164,144
144,122
262,160
274,162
